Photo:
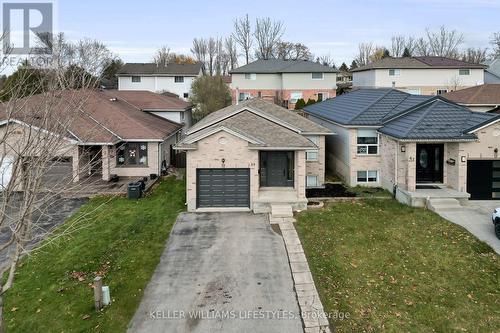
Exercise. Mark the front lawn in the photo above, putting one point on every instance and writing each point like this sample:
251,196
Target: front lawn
400,269
120,239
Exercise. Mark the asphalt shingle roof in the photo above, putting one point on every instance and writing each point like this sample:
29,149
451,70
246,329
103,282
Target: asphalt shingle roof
272,109
417,62
487,94
283,66
365,106
153,69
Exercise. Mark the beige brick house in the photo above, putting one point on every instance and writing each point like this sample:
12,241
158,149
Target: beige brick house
283,82
250,155
414,146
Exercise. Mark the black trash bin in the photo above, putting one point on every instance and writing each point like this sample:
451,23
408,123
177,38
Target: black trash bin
134,190
142,183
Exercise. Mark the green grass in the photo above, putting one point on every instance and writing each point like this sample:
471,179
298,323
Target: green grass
400,269
122,239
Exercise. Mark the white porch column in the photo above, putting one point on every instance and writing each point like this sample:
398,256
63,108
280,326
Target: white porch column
105,163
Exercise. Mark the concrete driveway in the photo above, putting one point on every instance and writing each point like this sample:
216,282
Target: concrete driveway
220,272
476,218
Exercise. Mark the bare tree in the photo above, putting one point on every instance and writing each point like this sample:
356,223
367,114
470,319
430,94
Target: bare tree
326,60
495,42
474,55
365,50
267,34
212,55
35,134
162,56
292,51
231,52
398,44
199,49
422,47
444,43
243,36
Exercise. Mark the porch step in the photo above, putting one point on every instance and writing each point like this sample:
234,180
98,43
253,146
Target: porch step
281,210
440,204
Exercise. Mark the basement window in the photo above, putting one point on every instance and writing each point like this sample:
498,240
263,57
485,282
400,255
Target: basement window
367,176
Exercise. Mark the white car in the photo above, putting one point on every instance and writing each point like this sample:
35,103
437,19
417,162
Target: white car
496,221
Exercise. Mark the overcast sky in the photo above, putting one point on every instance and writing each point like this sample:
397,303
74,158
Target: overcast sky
135,29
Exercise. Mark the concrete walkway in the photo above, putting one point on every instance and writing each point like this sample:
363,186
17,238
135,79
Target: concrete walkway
230,269
476,218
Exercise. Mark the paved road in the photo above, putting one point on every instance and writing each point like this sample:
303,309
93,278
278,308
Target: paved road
476,218
220,264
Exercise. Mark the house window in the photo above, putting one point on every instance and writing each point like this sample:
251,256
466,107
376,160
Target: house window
394,72
132,154
182,116
370,176
464,72
136,79
322,96
259,94
311,155
317,76
186,95
295,96
367,142
250,76
179,79
441,91
244,96
312,181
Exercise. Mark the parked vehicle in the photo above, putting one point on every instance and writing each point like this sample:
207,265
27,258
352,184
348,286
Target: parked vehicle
496,221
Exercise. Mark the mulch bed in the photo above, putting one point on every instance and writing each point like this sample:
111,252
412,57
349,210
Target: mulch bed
330,190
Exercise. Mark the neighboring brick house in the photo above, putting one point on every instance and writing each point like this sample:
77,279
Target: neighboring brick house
283,81
419,75
253,155
107,136
173,78
483,98
407,144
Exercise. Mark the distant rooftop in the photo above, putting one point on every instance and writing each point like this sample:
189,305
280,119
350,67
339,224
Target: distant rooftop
154,69
271,66
485,94
418,62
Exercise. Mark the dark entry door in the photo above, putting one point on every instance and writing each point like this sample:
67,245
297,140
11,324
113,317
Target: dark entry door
429,161
276,168
483,179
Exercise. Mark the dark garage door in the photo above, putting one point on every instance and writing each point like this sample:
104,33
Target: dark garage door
223,188
483,179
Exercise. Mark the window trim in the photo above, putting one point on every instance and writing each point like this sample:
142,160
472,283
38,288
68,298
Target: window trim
176,78
250,76
126,165
291,100
463,69
137,78
441,91
246,94
396,71
307,181
317,78
367,145
315,151
367,181
325,95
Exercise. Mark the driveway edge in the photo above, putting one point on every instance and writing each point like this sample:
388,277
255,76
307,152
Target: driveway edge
311,309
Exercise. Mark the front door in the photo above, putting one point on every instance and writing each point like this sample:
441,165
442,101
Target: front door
276,168
429,162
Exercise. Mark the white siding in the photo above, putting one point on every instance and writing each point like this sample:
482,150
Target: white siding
363,79
262,81
157,84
